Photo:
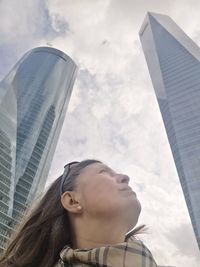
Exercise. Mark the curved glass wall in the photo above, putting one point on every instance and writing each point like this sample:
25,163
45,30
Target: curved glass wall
41,85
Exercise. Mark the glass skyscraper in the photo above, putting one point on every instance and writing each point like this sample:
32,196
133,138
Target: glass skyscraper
173,60
33,101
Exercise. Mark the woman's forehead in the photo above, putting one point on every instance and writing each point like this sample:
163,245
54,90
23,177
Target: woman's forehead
94,167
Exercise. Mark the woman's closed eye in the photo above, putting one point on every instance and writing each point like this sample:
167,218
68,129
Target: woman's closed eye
103,170
109,171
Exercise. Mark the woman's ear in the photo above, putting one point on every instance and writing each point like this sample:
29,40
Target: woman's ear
70,203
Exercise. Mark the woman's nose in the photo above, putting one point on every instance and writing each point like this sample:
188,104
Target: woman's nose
123,178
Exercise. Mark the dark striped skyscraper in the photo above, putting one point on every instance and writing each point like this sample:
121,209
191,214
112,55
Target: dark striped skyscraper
173,60
33,101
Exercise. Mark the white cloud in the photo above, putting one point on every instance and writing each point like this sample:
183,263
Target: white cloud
113,114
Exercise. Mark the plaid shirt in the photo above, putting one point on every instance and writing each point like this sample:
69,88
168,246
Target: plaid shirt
131,253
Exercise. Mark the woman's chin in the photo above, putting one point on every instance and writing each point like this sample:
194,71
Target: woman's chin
134,213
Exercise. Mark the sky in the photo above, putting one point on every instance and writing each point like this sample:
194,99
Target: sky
113,114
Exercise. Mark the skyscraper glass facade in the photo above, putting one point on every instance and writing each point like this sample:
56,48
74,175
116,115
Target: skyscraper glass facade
40,85
173,60
8,131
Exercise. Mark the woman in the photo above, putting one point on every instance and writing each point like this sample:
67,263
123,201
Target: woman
82,220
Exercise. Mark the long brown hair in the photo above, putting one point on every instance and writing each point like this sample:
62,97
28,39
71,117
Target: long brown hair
45,232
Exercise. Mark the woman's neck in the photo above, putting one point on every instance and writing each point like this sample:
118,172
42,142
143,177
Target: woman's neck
92,234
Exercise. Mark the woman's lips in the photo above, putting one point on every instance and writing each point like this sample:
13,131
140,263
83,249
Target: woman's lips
128,188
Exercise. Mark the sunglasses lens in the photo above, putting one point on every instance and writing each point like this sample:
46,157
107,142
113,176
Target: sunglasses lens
65,174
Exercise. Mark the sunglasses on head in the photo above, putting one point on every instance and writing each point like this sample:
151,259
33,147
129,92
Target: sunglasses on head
67,168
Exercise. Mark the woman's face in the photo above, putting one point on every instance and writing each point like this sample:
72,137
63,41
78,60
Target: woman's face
104,193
